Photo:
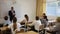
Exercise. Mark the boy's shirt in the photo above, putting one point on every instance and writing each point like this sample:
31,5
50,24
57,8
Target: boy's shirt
37,24
7,22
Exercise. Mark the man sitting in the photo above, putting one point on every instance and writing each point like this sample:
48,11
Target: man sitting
36,24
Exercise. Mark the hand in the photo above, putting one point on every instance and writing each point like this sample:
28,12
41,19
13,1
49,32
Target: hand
41,27
51,28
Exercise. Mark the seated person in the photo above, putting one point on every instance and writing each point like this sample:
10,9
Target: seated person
36,24
25,20
6,21
15,27
45,17
56,27
43,21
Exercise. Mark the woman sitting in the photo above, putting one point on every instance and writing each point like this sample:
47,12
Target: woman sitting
15,27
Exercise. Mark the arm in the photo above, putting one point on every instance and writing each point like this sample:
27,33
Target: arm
23,21
10,26
46,18
41,27
18,27
14,13
31,24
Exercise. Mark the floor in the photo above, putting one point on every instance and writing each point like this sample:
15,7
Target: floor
29,32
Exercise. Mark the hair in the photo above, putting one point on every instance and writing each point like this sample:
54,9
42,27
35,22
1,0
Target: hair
37,18
12,7
58,19
26,16
44,14
14,20
6,18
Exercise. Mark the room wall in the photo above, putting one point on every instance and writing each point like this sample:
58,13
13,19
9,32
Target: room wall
20,6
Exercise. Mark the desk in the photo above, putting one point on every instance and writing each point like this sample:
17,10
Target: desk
29,32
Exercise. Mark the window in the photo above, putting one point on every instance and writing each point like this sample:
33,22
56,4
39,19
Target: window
53,8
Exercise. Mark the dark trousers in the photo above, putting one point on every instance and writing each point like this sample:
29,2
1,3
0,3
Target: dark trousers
51,32
33,29
11,18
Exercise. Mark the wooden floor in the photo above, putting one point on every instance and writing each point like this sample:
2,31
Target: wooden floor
29,32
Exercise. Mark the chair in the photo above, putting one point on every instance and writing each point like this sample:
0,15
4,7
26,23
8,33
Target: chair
23,27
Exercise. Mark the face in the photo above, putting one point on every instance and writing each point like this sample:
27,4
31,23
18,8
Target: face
44,14
12,8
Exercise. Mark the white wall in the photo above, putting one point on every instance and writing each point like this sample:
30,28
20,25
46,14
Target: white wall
21,7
